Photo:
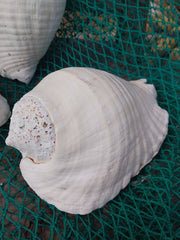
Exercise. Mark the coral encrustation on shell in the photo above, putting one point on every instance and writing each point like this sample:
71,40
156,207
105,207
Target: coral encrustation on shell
33,130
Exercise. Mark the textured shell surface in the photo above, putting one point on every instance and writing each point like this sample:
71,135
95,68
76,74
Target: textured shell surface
4,110
83,134
26,31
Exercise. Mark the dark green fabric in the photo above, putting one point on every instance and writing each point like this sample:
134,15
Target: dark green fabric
132,39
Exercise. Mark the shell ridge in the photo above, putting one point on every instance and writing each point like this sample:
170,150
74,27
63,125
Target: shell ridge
121,85
153,116
134,113
149,88
129,112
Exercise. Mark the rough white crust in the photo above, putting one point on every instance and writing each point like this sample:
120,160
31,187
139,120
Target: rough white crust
32,130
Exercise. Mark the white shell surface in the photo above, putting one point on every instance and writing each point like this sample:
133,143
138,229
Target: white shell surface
26,31
106,130
4,110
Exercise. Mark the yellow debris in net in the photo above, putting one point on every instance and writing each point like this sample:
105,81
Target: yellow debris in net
162,30
175,54
74,25
166,43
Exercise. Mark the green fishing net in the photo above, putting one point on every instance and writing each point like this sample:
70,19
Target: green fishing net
132,39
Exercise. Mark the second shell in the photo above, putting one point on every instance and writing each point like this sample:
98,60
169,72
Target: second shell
83,134
26,31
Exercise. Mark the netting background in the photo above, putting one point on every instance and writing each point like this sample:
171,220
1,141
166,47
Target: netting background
132,39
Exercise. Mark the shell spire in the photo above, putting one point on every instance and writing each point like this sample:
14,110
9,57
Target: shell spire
104,130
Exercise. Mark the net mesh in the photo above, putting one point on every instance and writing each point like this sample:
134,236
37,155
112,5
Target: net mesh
132,39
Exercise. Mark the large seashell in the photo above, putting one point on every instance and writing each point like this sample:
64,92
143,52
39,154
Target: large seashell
26,31
4,110
83,134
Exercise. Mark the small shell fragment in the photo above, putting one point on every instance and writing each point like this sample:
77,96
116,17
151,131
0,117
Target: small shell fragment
103,131
4,110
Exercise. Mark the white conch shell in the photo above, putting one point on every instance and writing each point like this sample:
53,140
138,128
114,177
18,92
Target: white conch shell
26,31
4,110
98,130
